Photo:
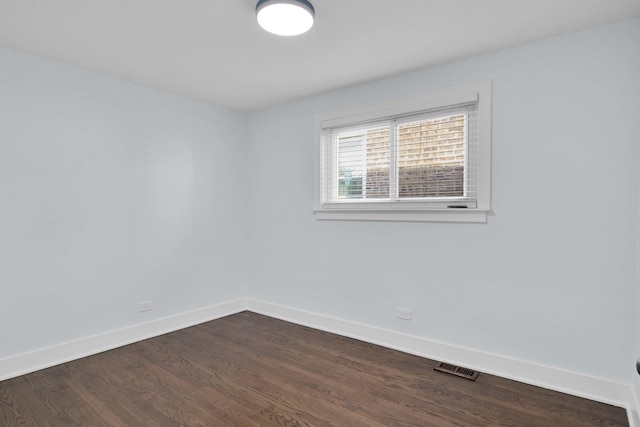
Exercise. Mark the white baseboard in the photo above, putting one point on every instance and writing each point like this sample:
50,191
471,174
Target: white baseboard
598,389
633,408
32,361
634,420
573,383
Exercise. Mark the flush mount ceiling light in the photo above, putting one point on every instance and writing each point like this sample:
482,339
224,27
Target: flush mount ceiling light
285,17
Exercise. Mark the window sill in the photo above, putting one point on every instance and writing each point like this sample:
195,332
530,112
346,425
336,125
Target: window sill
435,215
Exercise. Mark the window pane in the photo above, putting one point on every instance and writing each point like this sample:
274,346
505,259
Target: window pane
378,158
363,164
350,166
431,158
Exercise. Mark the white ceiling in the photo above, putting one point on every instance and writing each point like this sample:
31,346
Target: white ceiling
213,50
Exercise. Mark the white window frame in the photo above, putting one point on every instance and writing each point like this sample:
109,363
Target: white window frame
392,210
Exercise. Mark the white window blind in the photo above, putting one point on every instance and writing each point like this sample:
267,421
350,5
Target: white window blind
429,157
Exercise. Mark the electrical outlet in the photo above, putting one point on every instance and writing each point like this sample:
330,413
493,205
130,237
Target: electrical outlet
403,313
145,306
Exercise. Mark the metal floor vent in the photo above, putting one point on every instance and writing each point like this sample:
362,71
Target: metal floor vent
469,374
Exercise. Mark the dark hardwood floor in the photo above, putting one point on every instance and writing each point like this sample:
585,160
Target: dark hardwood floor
251,370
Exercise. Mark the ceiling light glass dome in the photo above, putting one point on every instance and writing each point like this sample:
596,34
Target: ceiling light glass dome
285,17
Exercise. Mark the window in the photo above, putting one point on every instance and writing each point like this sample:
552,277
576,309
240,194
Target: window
420,158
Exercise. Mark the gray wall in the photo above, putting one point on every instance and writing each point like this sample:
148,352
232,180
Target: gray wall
549,279
635,383
110,194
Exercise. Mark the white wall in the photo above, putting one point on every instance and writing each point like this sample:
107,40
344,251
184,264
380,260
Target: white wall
110,194
549,279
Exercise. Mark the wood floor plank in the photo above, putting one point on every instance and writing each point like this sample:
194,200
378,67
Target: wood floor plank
309,370
365,380
251,370
267,384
